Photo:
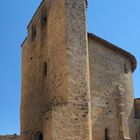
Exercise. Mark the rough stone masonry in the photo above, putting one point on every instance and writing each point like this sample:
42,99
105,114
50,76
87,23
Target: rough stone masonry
75,85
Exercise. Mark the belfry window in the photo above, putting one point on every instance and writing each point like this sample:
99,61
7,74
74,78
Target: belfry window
38,136
33,33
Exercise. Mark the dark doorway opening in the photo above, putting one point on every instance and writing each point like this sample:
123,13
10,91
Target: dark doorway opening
107,134
38,136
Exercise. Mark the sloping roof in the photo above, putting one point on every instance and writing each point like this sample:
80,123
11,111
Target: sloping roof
115,48
137,99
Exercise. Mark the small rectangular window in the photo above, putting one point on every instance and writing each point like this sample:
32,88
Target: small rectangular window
33,33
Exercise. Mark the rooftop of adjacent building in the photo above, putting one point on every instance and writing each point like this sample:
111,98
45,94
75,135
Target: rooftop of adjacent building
137,99
9,137
115,48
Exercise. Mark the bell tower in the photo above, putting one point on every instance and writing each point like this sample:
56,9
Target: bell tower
55,102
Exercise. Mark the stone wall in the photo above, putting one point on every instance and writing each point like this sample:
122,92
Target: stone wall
10,137
43,67
111,93
71,121
137,108
137,118
55,73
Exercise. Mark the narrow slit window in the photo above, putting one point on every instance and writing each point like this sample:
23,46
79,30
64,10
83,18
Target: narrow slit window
136,136
45,68
33,33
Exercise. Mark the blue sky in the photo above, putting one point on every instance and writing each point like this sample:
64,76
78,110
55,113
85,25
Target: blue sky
116,21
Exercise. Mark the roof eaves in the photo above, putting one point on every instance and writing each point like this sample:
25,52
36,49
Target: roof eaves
117,49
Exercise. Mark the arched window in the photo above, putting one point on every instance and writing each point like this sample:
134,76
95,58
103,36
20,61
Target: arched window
38,136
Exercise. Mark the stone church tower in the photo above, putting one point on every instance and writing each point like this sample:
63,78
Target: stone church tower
75,85
55,101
